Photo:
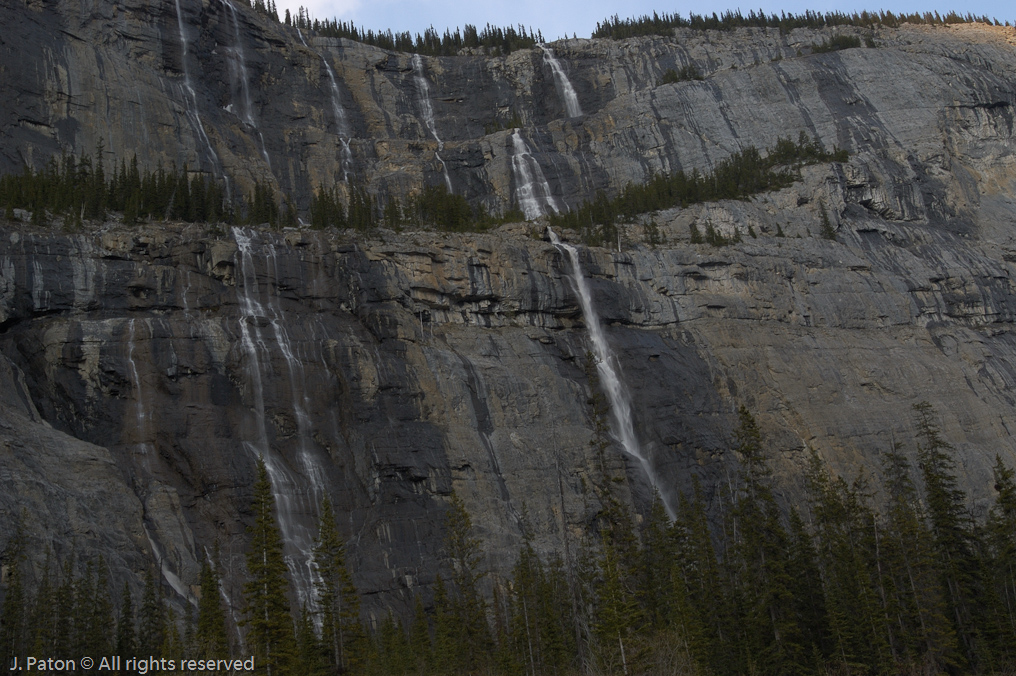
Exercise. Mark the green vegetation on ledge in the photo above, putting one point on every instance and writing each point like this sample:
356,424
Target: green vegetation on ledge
741,175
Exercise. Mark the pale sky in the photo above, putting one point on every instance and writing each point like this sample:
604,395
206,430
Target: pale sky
560,19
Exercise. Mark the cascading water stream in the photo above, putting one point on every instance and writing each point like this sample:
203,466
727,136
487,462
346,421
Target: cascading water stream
564,86
532,190
297,493
341,123
238,72
191,98
610,378
141,416
423,90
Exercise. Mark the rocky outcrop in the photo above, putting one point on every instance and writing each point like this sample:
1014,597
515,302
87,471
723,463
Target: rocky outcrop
145,369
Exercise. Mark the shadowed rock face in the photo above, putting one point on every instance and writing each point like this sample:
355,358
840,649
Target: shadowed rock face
143,370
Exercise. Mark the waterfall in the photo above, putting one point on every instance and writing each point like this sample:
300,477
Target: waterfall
531,188
608,370
139,402
427,110
191,99
341,122
238,74
297,490
564,86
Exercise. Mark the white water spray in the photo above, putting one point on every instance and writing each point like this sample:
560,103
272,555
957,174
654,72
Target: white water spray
192,99
139,402
238,73
297,491
341,122
608,370
531,188
423,90
564,86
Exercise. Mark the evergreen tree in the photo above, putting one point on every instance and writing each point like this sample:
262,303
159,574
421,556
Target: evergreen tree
419,639
312,655
126,644
761,567
914,577
464,553
211,637
269,623
954,536
711,631
14,611
855,589
151,619
1000,542
339,602
42,636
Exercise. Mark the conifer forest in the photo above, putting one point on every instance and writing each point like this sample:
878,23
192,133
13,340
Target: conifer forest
882,574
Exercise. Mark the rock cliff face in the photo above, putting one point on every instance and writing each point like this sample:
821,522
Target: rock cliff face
145,369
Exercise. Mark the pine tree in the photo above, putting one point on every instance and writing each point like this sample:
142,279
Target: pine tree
711,631
855,590
269,623
463,552
761,566
211,635
14,612
954,535
339,602
1000,556
99,637
447,632
918,600
125,645
312,655
151,619
419,639
42,616
616,614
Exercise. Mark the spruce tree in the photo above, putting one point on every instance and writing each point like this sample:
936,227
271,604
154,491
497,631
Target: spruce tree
711,631
268,620
151,619
848,550
419,639
211,635
14,611
339,602
952,526
1000,536
126,644
913,569
463,552
761,566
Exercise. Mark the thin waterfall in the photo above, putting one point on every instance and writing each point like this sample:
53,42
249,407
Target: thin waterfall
341,122
297,490
140,416
531,188
564,86
609,371
191,98
238,72
427,110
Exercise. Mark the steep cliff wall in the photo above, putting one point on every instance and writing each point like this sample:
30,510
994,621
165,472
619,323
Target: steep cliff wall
146,368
